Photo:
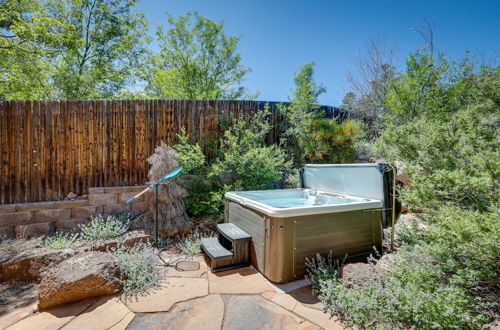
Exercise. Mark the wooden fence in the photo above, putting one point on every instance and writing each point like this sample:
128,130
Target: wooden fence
51,148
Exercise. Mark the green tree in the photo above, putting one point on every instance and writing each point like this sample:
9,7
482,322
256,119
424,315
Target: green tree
442,127
103,43
69,49
306,136
197,60
297,116
27,43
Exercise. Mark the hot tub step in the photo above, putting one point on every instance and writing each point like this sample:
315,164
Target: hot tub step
230,250
232,232
214,249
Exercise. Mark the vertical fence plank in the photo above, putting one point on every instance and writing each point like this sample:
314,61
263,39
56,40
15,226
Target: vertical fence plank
11,127
2,152
49,148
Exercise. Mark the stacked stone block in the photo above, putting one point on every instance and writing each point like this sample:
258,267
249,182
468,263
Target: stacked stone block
43,218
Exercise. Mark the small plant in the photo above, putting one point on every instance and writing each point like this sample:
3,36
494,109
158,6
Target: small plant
3,238
321,269
125,217
190,245
61,241
137,264
162,242
102,227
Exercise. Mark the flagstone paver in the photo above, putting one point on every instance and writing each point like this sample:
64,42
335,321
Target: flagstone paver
319,317
232,300
302,303
122,325
172,272
254,312
53,318
284,300
305,296
13,315
170,291
105,313
201,313
245,280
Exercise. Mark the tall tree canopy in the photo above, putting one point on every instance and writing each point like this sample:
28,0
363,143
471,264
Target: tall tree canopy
197,60
69,49
27,42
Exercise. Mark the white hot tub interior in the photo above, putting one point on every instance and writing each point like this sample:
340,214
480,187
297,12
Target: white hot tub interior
287,198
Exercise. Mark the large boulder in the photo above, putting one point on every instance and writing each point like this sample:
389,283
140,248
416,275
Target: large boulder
86,275
28,265
358,274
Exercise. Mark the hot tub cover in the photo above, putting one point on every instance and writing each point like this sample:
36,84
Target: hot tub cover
369,180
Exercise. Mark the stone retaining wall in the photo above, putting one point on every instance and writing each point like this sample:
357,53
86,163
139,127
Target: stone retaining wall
42,218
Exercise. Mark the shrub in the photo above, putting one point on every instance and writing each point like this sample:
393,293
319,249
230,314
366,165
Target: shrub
207,201
189,156
190,245
61,240
102,227
296,117
172,216
322,268
389,303
442,129
125,217
245,156
331,142
244,162
137,264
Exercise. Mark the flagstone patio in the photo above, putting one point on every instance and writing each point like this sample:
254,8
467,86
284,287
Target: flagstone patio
235,299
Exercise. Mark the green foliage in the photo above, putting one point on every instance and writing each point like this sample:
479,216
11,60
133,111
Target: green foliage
70,49
245,157
443,277
331,142
102,227
189,156
137,264
443,129
393,304
197,60
244,162
320,269
125,217
190,245
27,43
295,125
61,240
206,200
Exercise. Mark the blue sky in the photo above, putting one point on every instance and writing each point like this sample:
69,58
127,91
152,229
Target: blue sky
279,36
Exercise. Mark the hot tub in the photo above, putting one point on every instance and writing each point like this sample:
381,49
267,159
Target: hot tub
339,208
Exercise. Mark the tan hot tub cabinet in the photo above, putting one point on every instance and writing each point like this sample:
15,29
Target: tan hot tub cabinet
282,238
